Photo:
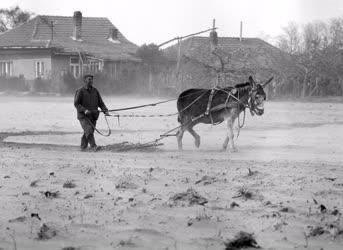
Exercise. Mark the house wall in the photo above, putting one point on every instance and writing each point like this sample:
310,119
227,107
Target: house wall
60,65
24,62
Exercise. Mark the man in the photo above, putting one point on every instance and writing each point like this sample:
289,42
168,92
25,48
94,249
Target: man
87,100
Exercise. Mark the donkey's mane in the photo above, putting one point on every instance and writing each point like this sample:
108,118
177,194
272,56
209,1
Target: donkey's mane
243,86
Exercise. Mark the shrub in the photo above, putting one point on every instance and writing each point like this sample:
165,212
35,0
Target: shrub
41,85
13,84
70,83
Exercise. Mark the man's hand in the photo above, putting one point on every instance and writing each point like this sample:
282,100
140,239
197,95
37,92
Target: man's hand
87,112
106,112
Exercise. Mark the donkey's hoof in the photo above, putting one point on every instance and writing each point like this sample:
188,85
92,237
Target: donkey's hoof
233,150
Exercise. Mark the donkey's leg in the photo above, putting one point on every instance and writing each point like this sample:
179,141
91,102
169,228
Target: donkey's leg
229,137
226,141
195,135
179,137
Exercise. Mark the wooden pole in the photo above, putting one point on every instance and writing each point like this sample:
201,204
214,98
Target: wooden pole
178,56
183,37
179,80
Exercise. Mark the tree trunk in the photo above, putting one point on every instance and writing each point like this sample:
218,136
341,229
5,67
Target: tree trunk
150,81
304,87
314,89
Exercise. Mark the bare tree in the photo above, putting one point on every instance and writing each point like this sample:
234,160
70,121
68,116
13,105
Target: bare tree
336,32
317,50
12,17
315,36
290,40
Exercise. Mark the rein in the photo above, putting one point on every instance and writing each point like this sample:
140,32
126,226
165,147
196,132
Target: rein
149,104
167,134
98,131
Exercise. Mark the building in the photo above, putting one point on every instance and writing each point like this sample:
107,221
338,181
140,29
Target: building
201,62
48,47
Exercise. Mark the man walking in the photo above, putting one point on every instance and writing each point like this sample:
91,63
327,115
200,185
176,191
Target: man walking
87,100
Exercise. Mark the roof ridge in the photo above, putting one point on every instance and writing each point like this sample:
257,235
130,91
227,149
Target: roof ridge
72,16
235,37
37,32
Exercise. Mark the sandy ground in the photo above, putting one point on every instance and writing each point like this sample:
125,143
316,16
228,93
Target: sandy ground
123,200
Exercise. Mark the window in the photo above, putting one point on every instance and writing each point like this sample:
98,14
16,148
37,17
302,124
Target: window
75,66
6,68
94,65
39,69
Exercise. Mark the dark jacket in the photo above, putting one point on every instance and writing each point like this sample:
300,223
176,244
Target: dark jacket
88,98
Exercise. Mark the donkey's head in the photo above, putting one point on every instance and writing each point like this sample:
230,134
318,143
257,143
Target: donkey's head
257,97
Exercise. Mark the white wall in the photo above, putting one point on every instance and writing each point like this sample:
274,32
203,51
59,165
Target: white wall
24,62
26,67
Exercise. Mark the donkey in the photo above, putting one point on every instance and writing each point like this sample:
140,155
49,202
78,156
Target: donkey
213,106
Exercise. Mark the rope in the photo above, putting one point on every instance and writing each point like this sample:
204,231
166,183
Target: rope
240,126
163,115
189,105
98,131
141,106
150,104
144,116
167,134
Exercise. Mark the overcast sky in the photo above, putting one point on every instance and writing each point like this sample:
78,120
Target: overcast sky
155,21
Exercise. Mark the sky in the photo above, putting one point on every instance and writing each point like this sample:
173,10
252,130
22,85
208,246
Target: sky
156,21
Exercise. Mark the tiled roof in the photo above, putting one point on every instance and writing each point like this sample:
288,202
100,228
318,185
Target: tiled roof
253,54
38,32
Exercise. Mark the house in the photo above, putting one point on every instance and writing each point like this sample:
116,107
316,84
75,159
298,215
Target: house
200,62
48,47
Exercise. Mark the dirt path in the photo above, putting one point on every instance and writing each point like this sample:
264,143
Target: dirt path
284,185
123,200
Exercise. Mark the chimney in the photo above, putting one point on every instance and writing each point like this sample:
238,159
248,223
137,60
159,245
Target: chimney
240,32
113,34
77,29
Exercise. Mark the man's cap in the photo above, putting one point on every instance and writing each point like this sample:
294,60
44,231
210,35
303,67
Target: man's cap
87,75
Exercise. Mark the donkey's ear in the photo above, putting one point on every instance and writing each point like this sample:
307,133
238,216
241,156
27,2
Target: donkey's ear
252,82
265,84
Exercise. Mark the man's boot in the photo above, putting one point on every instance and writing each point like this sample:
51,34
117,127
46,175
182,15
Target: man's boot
92,143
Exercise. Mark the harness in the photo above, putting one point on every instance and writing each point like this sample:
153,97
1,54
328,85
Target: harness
208,112
209,104
227,105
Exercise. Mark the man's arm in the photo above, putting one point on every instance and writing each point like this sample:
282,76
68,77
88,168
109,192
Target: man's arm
77,102
101,103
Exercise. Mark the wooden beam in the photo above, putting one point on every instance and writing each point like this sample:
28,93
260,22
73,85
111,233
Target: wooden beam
183,37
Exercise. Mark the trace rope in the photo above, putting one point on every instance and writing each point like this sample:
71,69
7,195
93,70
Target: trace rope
167,134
